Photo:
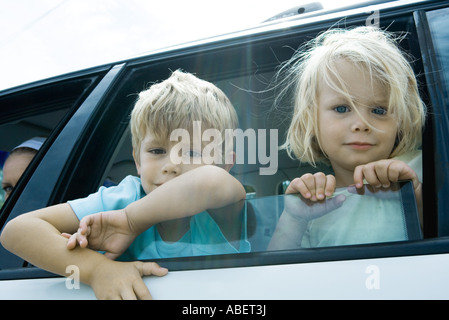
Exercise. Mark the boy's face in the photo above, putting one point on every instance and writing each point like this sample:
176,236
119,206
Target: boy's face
161,161
345,137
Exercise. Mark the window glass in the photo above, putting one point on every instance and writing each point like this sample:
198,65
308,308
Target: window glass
360,219
438,24
24,138
284,222
248,82
349,217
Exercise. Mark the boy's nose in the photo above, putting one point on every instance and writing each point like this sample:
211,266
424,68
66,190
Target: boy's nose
171,168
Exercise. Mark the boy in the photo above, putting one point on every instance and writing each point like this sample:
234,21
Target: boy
159,206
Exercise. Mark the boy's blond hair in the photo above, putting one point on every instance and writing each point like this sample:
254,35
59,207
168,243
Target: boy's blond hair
175,104
372,51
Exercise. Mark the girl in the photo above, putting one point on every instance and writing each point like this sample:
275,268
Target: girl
356,108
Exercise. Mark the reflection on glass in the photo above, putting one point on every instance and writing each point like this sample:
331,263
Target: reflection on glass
348,217
211,232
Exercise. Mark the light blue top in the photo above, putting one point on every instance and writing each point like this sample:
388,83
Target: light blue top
203,238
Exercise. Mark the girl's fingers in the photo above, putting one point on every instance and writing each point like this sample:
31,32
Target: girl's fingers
331,184
320,185
314,187
298,186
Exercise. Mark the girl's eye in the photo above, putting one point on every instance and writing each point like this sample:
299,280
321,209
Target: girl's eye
341,109
380,111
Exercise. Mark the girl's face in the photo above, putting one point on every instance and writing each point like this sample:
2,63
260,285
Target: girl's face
346,138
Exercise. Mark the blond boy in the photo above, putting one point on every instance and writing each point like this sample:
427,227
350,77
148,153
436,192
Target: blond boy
172,203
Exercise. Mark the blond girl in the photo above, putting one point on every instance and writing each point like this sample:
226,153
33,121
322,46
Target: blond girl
356,108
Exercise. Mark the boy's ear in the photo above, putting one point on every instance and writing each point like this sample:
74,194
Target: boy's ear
136,162
229,161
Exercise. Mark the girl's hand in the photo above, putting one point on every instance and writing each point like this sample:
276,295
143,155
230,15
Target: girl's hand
383,172
313,187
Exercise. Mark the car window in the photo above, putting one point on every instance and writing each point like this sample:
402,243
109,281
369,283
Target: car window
363,217
38,110
25,136
248,82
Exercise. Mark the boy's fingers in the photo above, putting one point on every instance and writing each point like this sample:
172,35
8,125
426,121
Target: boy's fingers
71,243
66,235
80,239
111,256
146,269
141,290
151,268
84,223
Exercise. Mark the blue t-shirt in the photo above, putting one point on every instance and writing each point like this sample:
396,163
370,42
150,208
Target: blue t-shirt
203,238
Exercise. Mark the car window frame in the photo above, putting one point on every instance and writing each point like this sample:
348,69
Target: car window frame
49,164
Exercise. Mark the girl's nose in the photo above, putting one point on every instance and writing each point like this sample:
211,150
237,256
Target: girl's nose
359,124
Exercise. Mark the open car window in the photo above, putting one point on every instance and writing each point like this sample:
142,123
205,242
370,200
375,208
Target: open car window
285,222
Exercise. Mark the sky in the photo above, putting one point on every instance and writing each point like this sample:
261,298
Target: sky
44,38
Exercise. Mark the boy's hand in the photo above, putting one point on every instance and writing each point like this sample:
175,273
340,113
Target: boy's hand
113,280
103,231
314,187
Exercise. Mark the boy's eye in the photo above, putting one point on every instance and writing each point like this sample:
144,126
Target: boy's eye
380,111
341,109
157,151
192,153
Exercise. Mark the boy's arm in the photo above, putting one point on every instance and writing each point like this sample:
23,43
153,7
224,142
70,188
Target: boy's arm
36,237
203,188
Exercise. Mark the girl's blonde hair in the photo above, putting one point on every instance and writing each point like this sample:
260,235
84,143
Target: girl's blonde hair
175,104
371,50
